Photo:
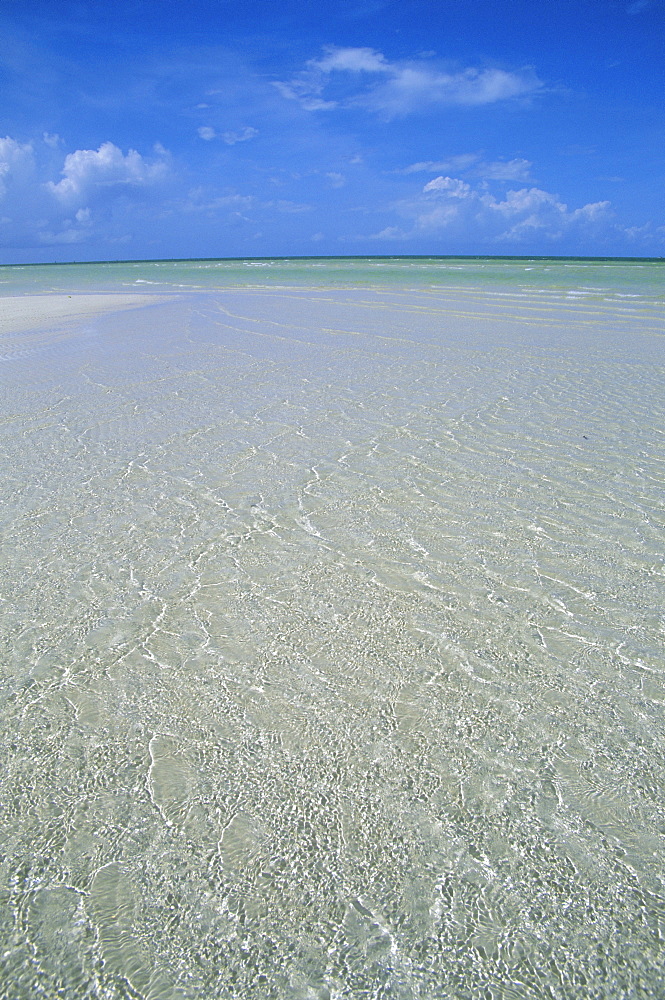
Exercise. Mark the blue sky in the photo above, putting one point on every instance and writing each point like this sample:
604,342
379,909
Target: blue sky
207,128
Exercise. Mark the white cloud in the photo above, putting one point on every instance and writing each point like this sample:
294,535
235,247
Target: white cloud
434,217
390,233
458,163
452,206
235,205
472,164
64,236
505,170
244,135
592,211
635,232
66,231
453,187
16,163
230,138
525,200
200,200
535,209
306,93
397,88
413,88
86,171
531,209
351,60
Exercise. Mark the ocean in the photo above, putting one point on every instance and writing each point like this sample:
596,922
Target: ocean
331,630
575,276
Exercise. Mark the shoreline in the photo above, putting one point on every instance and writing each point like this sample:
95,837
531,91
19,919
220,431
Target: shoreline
19,313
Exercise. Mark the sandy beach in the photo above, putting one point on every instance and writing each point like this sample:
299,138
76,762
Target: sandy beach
29,312
32,322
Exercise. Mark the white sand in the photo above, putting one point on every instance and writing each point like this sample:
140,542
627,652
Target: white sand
28,312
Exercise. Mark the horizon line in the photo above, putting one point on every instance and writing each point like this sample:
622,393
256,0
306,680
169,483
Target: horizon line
339,257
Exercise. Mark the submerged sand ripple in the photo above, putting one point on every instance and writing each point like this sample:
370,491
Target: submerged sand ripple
332,646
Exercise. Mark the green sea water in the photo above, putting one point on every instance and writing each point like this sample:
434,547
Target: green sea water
331,633
641,277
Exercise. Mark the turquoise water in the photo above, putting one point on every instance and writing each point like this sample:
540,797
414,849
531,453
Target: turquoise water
584,276
331,634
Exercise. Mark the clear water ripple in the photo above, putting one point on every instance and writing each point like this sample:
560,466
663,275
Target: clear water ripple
332,652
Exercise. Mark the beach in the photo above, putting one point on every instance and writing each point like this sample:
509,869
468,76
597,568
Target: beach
27,312
331,617
31,322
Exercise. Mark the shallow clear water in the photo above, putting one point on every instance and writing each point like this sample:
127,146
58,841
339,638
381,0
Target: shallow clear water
573,277
332,645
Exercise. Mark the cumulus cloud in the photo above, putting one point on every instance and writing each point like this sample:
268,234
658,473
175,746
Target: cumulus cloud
98,192
524,200
88,171
399,87
67,230
450,205
535,209
452,186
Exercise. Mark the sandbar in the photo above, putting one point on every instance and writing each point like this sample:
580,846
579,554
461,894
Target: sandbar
28,312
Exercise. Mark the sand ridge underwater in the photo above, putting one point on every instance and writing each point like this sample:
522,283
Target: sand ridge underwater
332,646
